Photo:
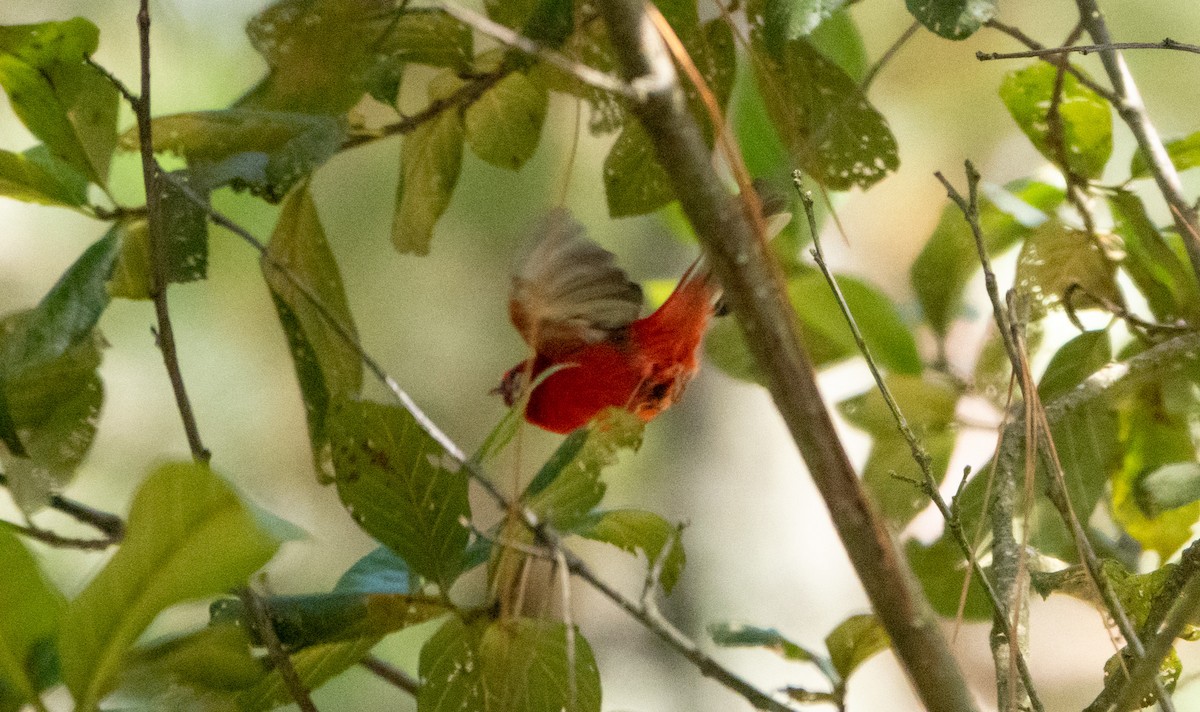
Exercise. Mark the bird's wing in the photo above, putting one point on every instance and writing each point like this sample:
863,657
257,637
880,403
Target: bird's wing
568,292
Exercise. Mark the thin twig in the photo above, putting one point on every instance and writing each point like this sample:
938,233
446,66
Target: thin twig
1145,672
392,674
1133,112
1018,35
588,75
261,620
158,244
918,452
57,540
888,55
106,522
1057,490
1166,43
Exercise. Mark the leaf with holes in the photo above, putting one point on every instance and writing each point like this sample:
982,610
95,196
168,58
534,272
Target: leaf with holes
952,19
400,486
823,118
1055,257
189,536
515,664
327,365
1084,142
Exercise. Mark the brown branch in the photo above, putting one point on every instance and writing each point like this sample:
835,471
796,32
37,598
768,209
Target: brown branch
919,455
106,522
165,335
260,620
1018,35
392,674
57,540
1166,43
757,295
1132,111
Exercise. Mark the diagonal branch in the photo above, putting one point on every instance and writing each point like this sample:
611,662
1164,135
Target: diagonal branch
756,292
151,176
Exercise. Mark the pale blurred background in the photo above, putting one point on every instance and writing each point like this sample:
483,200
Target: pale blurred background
760,546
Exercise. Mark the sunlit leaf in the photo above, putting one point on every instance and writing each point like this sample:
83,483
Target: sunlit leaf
1153,436
265,152
1073,362
400,486
29,622
297,265
566,497
429,165
515,664
855,640
1085,143
1184,153
823,118
36,176
189,535
952,19
503,126
1055,257
950,258
65,102
635,530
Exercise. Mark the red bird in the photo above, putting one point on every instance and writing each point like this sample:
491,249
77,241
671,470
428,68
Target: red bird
578,311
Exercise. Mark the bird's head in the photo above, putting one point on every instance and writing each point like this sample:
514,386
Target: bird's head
513,383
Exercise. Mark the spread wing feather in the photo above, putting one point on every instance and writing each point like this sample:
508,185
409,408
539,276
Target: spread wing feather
569,292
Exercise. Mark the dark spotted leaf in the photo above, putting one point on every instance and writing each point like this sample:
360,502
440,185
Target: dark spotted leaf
952,19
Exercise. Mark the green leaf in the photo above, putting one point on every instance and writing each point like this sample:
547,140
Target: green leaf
1086,119
516,664
429,164
417,35
823,118
1172,485
130,278
1154,435
185,231
328,367
1053,258
1184,153
396,482
568,497
265,152
760,145
952,19
1168,285
1169,671
891,474
928,404
188,536
380,571
65,102
321,618
36,176
824,330
838,38
949,260
634,181
503,126
1076,360
1136,592
736,635
941,570
634,530
29,622
319,52
855,640
66,315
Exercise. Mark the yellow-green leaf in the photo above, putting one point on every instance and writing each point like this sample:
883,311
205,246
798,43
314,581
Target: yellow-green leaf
429,165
